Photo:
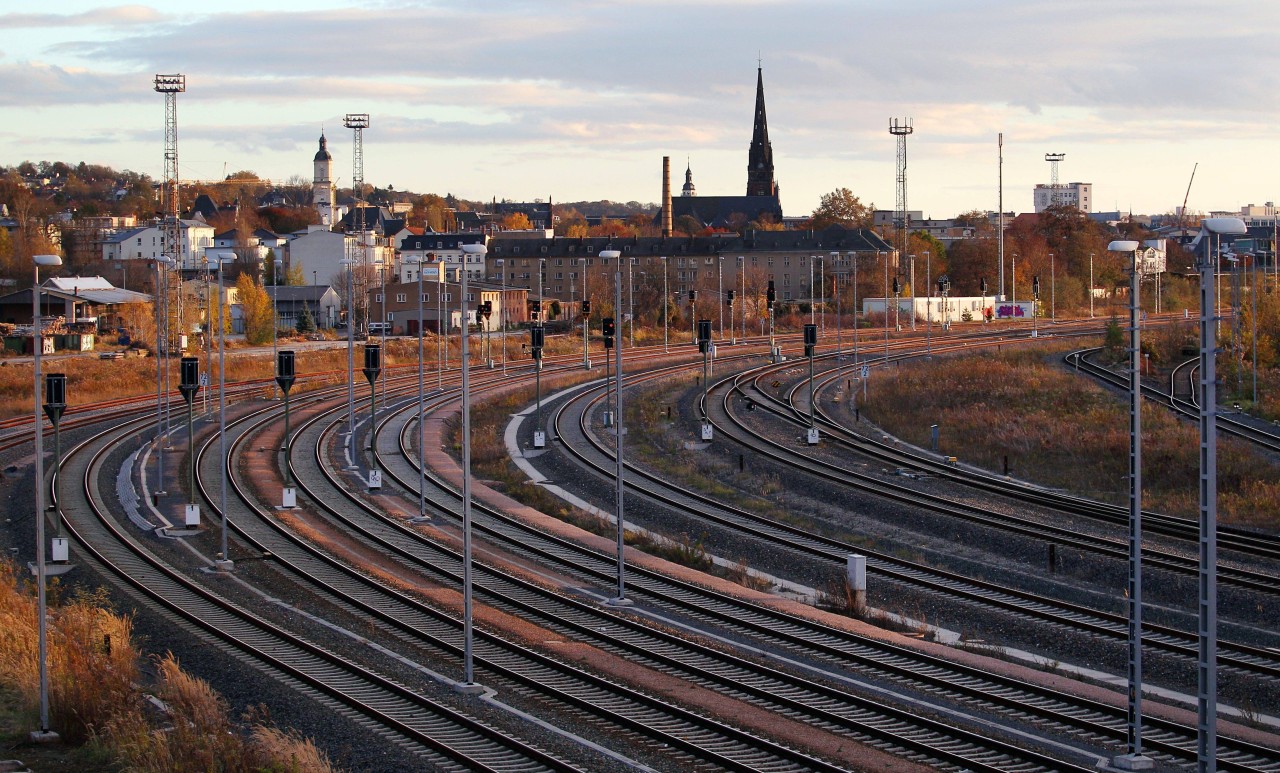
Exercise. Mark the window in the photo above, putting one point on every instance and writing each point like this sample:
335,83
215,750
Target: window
559,275
590,249
559,261
448,297
471,297
391,316
401,298
426,297
377,298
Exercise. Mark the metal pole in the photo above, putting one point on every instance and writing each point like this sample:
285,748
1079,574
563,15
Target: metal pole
720,289
468,664
224,563
886,307
385,330
618,470
422,437
631,302
1053,291
502,308
1135,514
1091,285
742,276
813,313
822,292
855,307
351,359
666,307
1253,286
157,308
275,282
1207,693
586,318
441,341
37,343
1000,205
912,258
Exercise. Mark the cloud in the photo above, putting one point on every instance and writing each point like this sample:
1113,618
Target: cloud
115,16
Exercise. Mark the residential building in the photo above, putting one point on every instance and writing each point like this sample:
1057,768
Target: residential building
1078,195
147,243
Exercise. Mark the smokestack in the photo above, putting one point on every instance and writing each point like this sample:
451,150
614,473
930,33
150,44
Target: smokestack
666,197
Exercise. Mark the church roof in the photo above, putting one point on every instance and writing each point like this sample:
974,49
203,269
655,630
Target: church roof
718,211
323,153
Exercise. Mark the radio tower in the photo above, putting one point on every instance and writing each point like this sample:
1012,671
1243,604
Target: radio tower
901,129
1053,159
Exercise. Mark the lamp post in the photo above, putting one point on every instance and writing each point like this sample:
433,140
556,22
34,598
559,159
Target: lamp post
742,278
822,292
854,257
886,305
37,341
502,308
1134,759
720,290
161,371
621,599
441,325
223,562
276,265
189,385
284,379
704,346
693,314
811,343
1053,291
349,264
372,370
422,471
813,310
912,260
1091,285
382,275
468,636
586,314
631,298
771,297
1013,283
666,310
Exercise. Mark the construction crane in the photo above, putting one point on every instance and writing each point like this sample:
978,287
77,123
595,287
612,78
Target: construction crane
1182,213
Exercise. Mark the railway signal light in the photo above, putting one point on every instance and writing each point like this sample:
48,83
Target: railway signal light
771,295
704,335
897,288
810,338
285,370
586,308
1035,287
982,285
372,362
729,298
188,377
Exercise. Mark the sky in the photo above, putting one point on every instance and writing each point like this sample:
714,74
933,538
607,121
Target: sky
580,99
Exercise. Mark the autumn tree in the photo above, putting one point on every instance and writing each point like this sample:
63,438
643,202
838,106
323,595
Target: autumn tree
255,309
841,207
516,221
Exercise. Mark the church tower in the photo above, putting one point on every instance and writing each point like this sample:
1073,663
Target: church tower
322,185
760,180
688,189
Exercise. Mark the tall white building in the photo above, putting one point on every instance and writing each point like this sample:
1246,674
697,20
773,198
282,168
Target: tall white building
1078,195
322,194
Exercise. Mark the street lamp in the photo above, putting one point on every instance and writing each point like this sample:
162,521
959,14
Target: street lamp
1134,759
1053,291
162,370
704,346
277,264
720,291
223,562
666,312
886,305
822,294
422,471
586,314
37,345
771,297
1091,285
470,685
912,259
349,264
1207,691
742,278
621,599
811,343
854,257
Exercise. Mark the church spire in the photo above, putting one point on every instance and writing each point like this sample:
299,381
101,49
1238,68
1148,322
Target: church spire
760,180
688,189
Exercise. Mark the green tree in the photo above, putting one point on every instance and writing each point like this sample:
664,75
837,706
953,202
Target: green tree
255,305
306,323
841,207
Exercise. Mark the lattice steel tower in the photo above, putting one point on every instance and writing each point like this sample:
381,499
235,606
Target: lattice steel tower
357,122
901,129
171,86
1055,191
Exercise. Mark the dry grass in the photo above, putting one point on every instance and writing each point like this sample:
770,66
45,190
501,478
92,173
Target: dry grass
1064,431
95,695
